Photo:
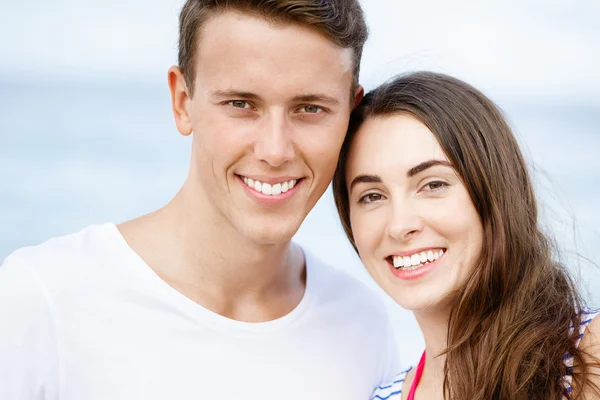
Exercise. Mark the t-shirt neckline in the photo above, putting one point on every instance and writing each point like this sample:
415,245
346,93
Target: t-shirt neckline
201,314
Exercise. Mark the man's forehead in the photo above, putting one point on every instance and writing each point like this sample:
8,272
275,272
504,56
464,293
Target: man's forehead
245,54
229,37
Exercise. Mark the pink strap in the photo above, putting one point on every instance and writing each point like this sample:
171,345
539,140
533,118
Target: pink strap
415,382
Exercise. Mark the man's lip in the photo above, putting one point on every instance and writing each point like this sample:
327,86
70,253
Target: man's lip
269,199
271,180
409,253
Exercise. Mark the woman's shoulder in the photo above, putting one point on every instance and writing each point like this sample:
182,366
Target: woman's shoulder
588,321
391,390
588,339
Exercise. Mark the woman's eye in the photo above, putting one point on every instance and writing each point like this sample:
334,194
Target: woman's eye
239,104
370,198
435,186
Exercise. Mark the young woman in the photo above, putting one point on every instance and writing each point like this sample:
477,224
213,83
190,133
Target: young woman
435,196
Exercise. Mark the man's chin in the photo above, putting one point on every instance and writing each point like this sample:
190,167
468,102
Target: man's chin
273,235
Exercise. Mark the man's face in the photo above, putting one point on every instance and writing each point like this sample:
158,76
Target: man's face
269,114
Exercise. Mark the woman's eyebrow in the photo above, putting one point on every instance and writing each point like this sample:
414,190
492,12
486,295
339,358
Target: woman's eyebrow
365,179
425,165
410,173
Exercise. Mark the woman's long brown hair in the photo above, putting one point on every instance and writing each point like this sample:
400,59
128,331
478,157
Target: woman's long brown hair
510,324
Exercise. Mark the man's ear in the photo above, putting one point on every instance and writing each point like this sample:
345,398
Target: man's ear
359,93
180,101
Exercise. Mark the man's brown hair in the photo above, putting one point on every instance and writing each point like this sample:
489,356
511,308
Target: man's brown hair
341,21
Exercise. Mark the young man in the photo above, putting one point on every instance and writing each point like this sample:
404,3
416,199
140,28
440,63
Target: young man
207,297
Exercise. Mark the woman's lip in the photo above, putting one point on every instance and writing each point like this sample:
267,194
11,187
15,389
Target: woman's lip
408,275
416,251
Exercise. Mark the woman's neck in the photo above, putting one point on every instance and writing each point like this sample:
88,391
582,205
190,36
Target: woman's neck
434,325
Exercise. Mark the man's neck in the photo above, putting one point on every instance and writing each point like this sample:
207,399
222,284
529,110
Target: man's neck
228,274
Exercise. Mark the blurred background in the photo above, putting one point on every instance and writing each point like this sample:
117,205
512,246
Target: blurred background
87,135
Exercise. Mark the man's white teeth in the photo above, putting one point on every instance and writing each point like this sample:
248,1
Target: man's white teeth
417,259
268,189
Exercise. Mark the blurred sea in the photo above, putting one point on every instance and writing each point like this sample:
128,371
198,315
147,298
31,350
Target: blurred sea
73,154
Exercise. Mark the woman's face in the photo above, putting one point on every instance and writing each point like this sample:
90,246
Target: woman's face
414,224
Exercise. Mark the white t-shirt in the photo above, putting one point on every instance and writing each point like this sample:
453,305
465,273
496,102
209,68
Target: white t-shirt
82,317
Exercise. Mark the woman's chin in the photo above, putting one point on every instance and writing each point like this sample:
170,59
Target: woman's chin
423,303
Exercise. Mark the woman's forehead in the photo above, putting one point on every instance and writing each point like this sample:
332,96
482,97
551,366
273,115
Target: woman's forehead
398,141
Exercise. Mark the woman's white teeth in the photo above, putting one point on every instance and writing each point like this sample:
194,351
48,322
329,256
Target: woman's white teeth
268,189
417,259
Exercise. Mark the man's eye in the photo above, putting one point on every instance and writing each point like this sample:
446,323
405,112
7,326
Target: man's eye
310,109
239,104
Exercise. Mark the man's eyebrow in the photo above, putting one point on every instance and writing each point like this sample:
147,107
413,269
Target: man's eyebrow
236,94
425,165
365,179
317,98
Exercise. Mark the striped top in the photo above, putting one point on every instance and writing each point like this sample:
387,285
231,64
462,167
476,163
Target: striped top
393,390
586,318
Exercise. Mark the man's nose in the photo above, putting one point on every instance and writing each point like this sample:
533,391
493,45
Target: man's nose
275,145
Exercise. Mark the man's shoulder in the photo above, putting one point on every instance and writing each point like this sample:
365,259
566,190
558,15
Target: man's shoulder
338,285
62,252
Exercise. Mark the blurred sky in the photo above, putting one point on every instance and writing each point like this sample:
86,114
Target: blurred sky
543,47
86,133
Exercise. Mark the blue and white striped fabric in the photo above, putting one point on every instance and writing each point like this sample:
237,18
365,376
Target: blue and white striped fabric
393,390
586,318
